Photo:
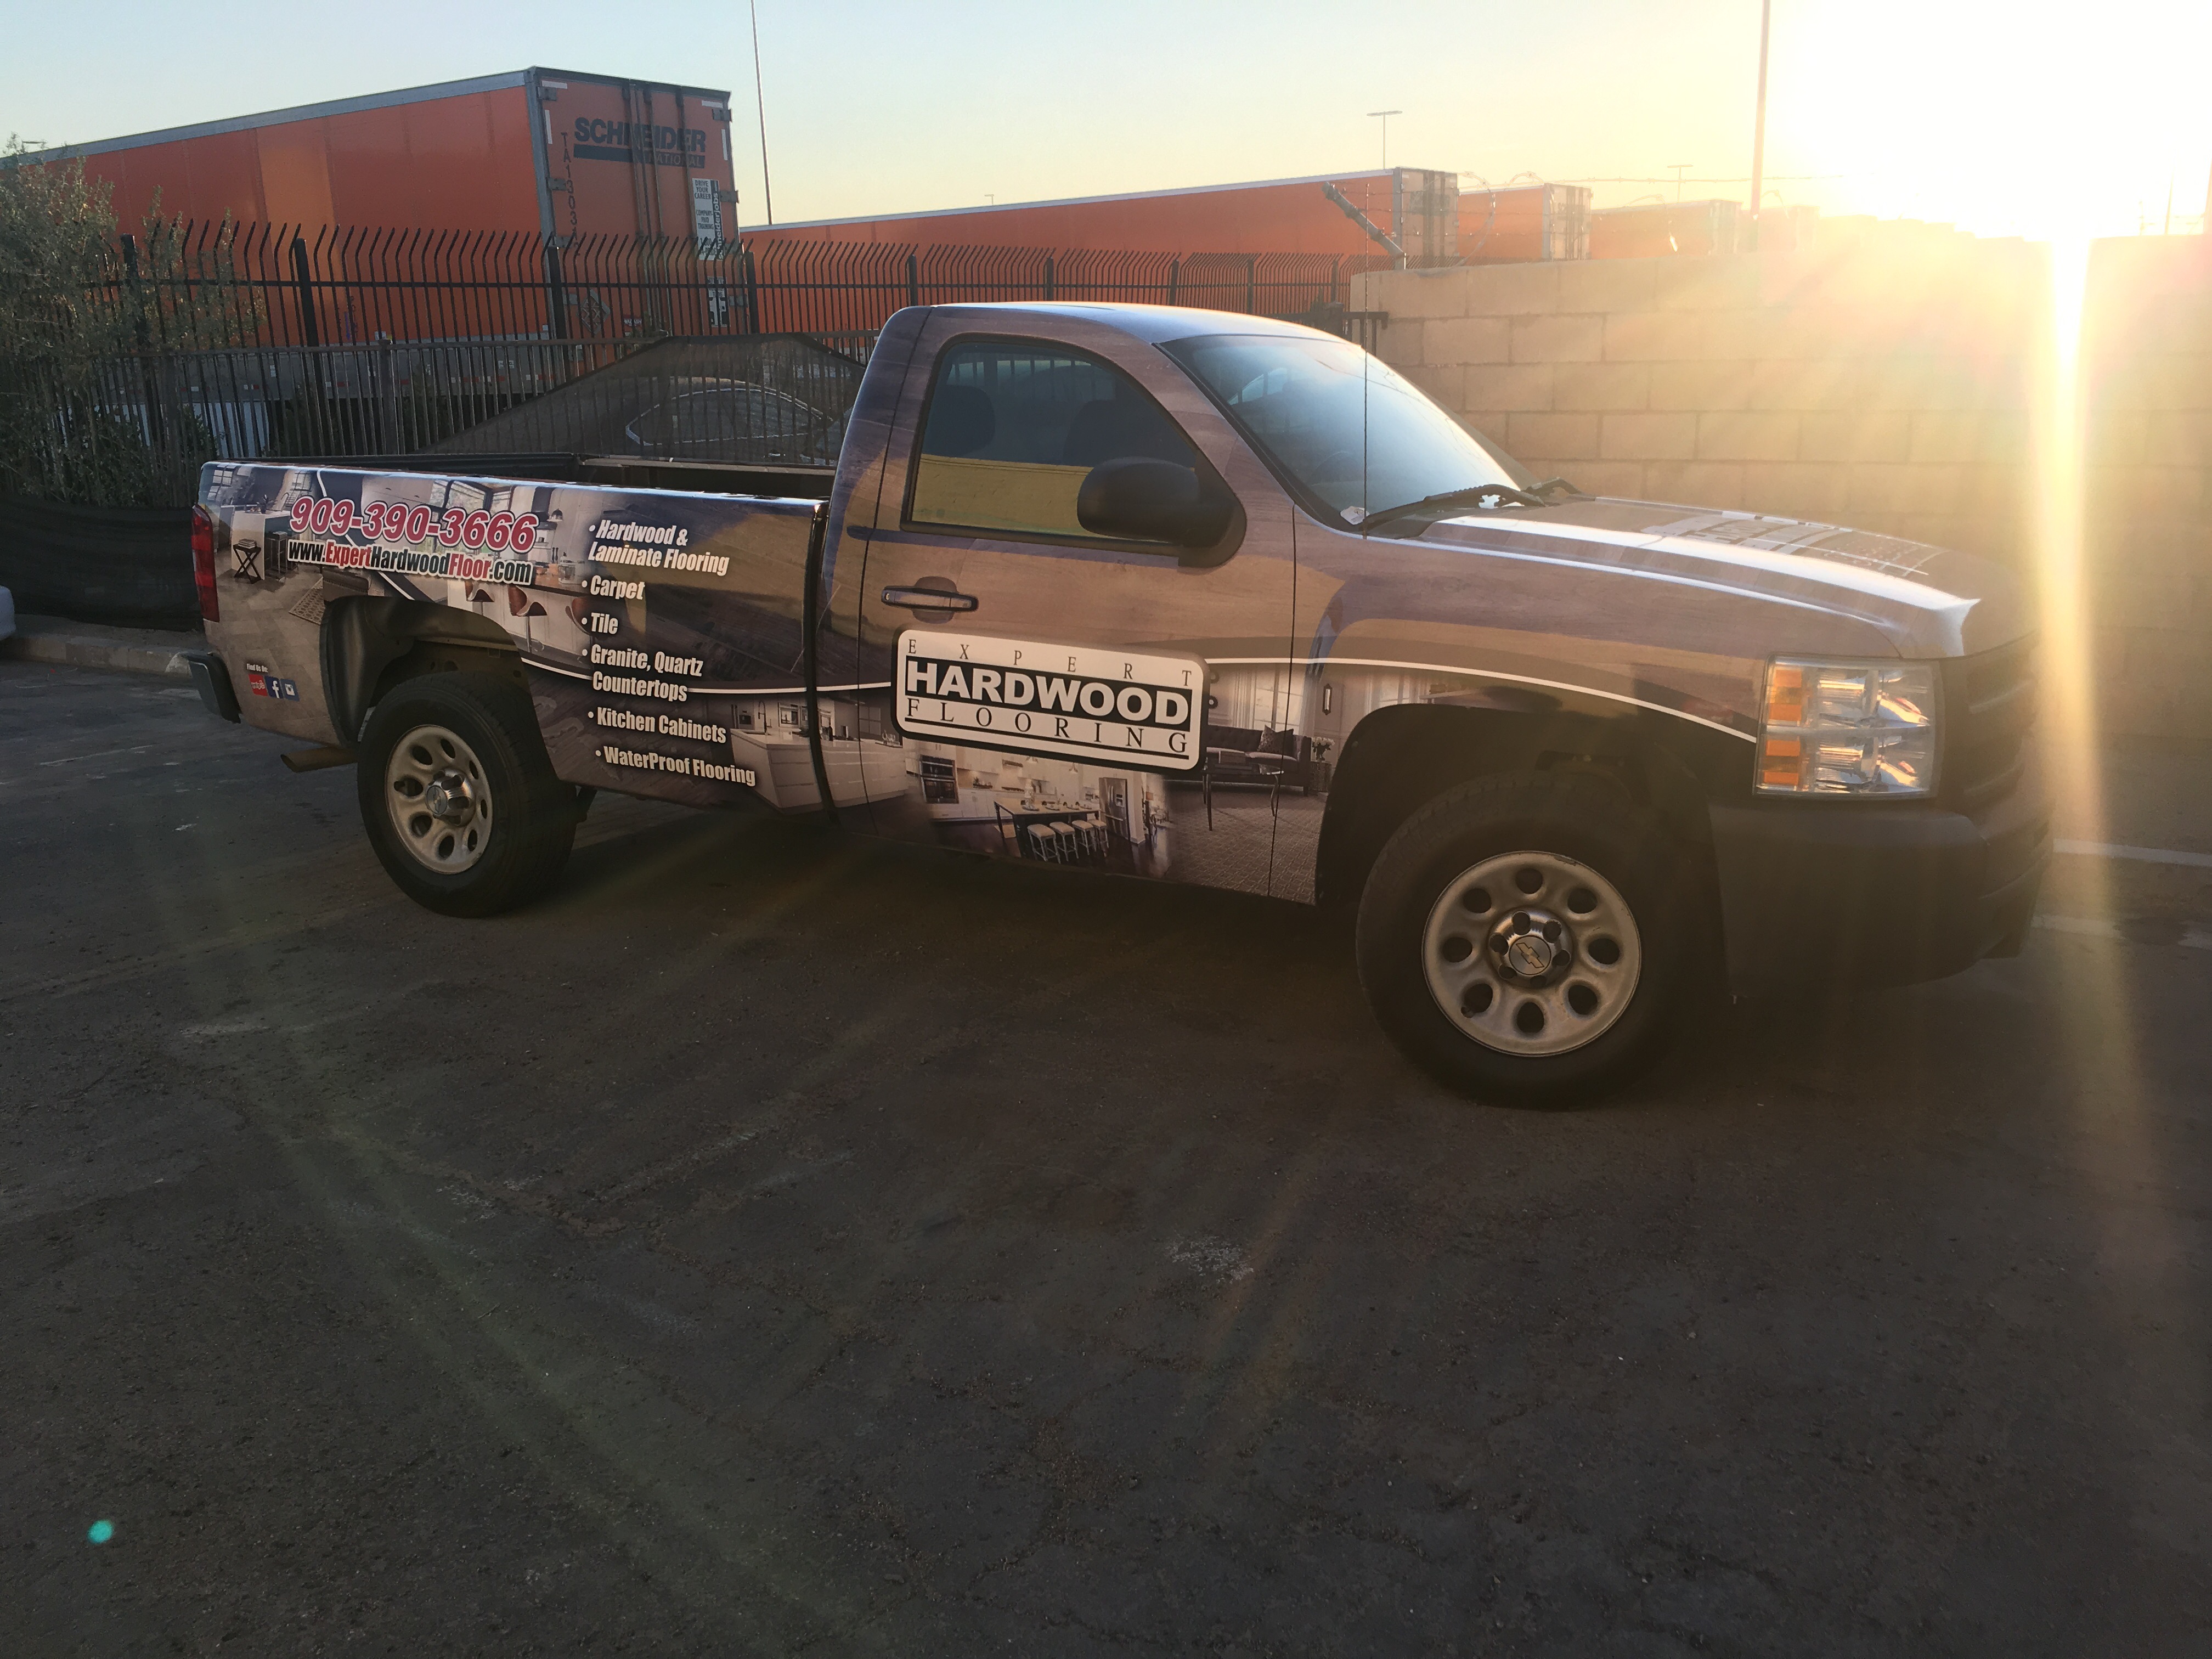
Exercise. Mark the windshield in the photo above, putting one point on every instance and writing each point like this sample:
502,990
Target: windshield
1351,435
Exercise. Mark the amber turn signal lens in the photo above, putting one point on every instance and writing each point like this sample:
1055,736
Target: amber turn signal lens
1785,695
1779,759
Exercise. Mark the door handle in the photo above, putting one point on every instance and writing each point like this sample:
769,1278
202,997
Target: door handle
923,596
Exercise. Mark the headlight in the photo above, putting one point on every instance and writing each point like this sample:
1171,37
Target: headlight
1848,728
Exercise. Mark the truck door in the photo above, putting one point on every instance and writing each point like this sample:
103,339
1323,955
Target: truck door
1053,695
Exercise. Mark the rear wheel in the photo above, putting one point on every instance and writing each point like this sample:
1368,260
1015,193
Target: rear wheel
1532,940
459,798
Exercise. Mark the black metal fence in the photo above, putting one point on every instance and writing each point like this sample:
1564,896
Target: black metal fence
203,286
278,341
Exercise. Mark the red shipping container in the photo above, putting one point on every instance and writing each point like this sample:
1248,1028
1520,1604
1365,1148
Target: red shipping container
554,151
1273,216
1269,216
1652,229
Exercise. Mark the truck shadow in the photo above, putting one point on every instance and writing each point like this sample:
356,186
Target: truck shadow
1264,977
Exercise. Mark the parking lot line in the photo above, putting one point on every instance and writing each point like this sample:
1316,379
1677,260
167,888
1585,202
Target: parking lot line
2100,849
2192,938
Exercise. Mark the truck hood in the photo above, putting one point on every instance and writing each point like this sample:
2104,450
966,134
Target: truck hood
1928,601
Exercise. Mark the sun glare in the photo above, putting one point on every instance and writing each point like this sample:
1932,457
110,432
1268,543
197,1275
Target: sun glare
2036,120
2055,474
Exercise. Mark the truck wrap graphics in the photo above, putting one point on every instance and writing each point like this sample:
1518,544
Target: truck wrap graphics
661,661
1121,708
663,635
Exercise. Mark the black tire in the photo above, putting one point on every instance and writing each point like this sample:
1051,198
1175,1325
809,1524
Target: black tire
477,737
1410,936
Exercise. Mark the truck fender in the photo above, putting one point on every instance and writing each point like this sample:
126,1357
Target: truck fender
372,642
1398,759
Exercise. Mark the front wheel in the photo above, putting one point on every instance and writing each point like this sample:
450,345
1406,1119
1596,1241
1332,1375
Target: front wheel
1533,939
459,798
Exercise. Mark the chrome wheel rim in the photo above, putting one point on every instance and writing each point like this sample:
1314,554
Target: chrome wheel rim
1532,953
439,801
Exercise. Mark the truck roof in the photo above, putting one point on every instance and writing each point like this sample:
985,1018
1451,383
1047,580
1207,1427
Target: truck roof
1152,323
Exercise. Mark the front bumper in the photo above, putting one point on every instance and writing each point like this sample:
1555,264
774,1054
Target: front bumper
1821,894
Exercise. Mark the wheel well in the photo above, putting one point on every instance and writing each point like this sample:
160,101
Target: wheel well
1398,759
373,643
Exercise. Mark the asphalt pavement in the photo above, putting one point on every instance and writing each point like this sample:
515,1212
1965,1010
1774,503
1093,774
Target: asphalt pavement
775,1243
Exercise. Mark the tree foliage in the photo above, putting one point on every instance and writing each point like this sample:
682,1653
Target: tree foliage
83,413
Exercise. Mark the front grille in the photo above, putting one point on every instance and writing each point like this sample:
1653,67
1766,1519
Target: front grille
1990,711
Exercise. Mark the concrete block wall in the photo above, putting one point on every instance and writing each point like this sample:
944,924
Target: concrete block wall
1885,376
2146,394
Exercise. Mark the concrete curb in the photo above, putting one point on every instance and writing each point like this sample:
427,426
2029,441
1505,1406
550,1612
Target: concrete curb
86,645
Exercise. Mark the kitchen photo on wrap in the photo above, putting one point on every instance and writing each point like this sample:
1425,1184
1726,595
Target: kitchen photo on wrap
1199,598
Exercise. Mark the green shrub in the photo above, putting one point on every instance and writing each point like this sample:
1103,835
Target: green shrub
80,329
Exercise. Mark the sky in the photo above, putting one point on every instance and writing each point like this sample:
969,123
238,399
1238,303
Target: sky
2036,118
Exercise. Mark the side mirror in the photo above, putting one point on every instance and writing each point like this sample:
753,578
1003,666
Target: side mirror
1140,499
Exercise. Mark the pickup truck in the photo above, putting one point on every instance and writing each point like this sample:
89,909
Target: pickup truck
1195,596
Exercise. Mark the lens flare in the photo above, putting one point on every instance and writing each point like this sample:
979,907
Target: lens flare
2057,470
99,1531
2065,603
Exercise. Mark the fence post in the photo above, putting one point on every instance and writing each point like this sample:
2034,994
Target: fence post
388,439
557,288
1175,276
1048,276
913,281
1252,284
303,278
148,390
751,271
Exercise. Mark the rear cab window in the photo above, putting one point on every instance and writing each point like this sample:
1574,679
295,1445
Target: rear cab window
1013,426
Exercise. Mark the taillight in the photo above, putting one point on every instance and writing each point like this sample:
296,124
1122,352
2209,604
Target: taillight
203,563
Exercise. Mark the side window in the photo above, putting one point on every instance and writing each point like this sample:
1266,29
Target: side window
1013,426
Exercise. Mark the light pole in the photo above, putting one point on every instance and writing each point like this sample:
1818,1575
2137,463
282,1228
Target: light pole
1758,129
760,103
1384,115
